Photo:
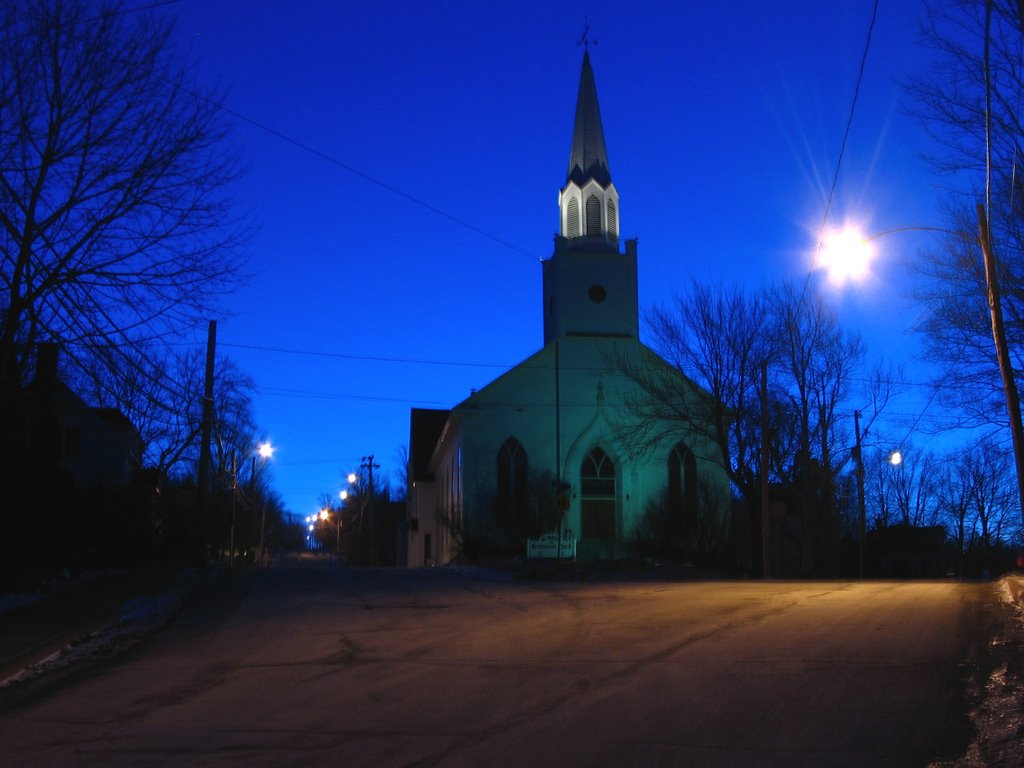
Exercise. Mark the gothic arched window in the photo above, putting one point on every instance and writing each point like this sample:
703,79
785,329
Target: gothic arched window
593,216
597,495
682,482
613,222
512,498
572,218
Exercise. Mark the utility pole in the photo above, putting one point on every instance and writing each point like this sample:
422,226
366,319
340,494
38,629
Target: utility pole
1002,351
369,466
860,487
234,492
202,492
766,569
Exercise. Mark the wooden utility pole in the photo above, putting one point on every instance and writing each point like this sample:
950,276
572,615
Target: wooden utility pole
203,491
369,466
766,568
995,309
861,514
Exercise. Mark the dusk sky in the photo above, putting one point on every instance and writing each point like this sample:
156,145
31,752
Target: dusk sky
723,130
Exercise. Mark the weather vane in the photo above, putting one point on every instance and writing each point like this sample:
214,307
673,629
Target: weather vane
585,40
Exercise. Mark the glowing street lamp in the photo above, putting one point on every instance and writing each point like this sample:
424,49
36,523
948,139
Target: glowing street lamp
343,496
845,254
895,458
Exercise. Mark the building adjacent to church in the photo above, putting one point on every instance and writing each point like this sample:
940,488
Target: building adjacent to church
555,443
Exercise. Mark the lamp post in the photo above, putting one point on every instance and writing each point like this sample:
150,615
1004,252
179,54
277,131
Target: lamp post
343,496
266,452
861,514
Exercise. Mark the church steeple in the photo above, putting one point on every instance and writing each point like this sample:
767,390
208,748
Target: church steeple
589,285
588,158
589,202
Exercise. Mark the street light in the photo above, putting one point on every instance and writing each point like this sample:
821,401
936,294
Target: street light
342,495
845,254
984,241
266,452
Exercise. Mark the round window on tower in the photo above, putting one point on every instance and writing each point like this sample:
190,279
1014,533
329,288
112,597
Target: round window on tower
597,293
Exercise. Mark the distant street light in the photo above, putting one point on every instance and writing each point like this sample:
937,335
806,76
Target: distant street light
266,452
895,458
342,495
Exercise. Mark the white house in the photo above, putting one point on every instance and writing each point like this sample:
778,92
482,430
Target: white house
553,444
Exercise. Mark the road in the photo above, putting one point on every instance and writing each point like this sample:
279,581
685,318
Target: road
319,666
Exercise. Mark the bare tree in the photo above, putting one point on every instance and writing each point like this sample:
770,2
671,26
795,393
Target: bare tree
907,493
988,468
715,337
115,224
970,101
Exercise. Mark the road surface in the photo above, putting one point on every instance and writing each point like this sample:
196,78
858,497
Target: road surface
319,666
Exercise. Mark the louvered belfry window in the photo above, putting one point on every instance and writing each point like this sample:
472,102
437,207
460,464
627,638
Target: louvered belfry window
613,223
593,216
572,218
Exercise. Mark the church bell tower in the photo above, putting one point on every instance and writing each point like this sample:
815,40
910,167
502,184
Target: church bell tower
589,284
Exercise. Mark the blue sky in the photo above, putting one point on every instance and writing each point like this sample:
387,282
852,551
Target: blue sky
723,130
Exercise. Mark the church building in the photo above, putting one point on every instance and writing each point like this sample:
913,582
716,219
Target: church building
556,445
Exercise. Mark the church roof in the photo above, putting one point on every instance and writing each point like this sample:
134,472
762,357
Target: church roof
588,158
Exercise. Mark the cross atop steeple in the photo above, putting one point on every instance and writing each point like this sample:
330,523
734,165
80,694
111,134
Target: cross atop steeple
585,40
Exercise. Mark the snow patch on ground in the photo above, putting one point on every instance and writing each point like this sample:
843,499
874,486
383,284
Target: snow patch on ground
139,617
999,716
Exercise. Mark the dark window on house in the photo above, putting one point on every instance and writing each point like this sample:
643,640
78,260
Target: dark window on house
682,482
512,494
427,554
597,495
72,441
593,216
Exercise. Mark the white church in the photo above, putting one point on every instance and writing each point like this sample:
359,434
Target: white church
552,446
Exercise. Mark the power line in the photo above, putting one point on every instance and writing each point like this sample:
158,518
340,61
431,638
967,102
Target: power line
849,125
364,358
365,176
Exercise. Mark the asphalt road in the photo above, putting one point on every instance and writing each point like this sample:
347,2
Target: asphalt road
316,666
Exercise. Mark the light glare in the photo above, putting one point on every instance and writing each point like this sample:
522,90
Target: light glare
845,254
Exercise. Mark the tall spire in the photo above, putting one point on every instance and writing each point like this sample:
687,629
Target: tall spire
588,158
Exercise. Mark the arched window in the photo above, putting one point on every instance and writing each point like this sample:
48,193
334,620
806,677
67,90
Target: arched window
682,482
512,498
597,495
572,218
593,216
613,222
